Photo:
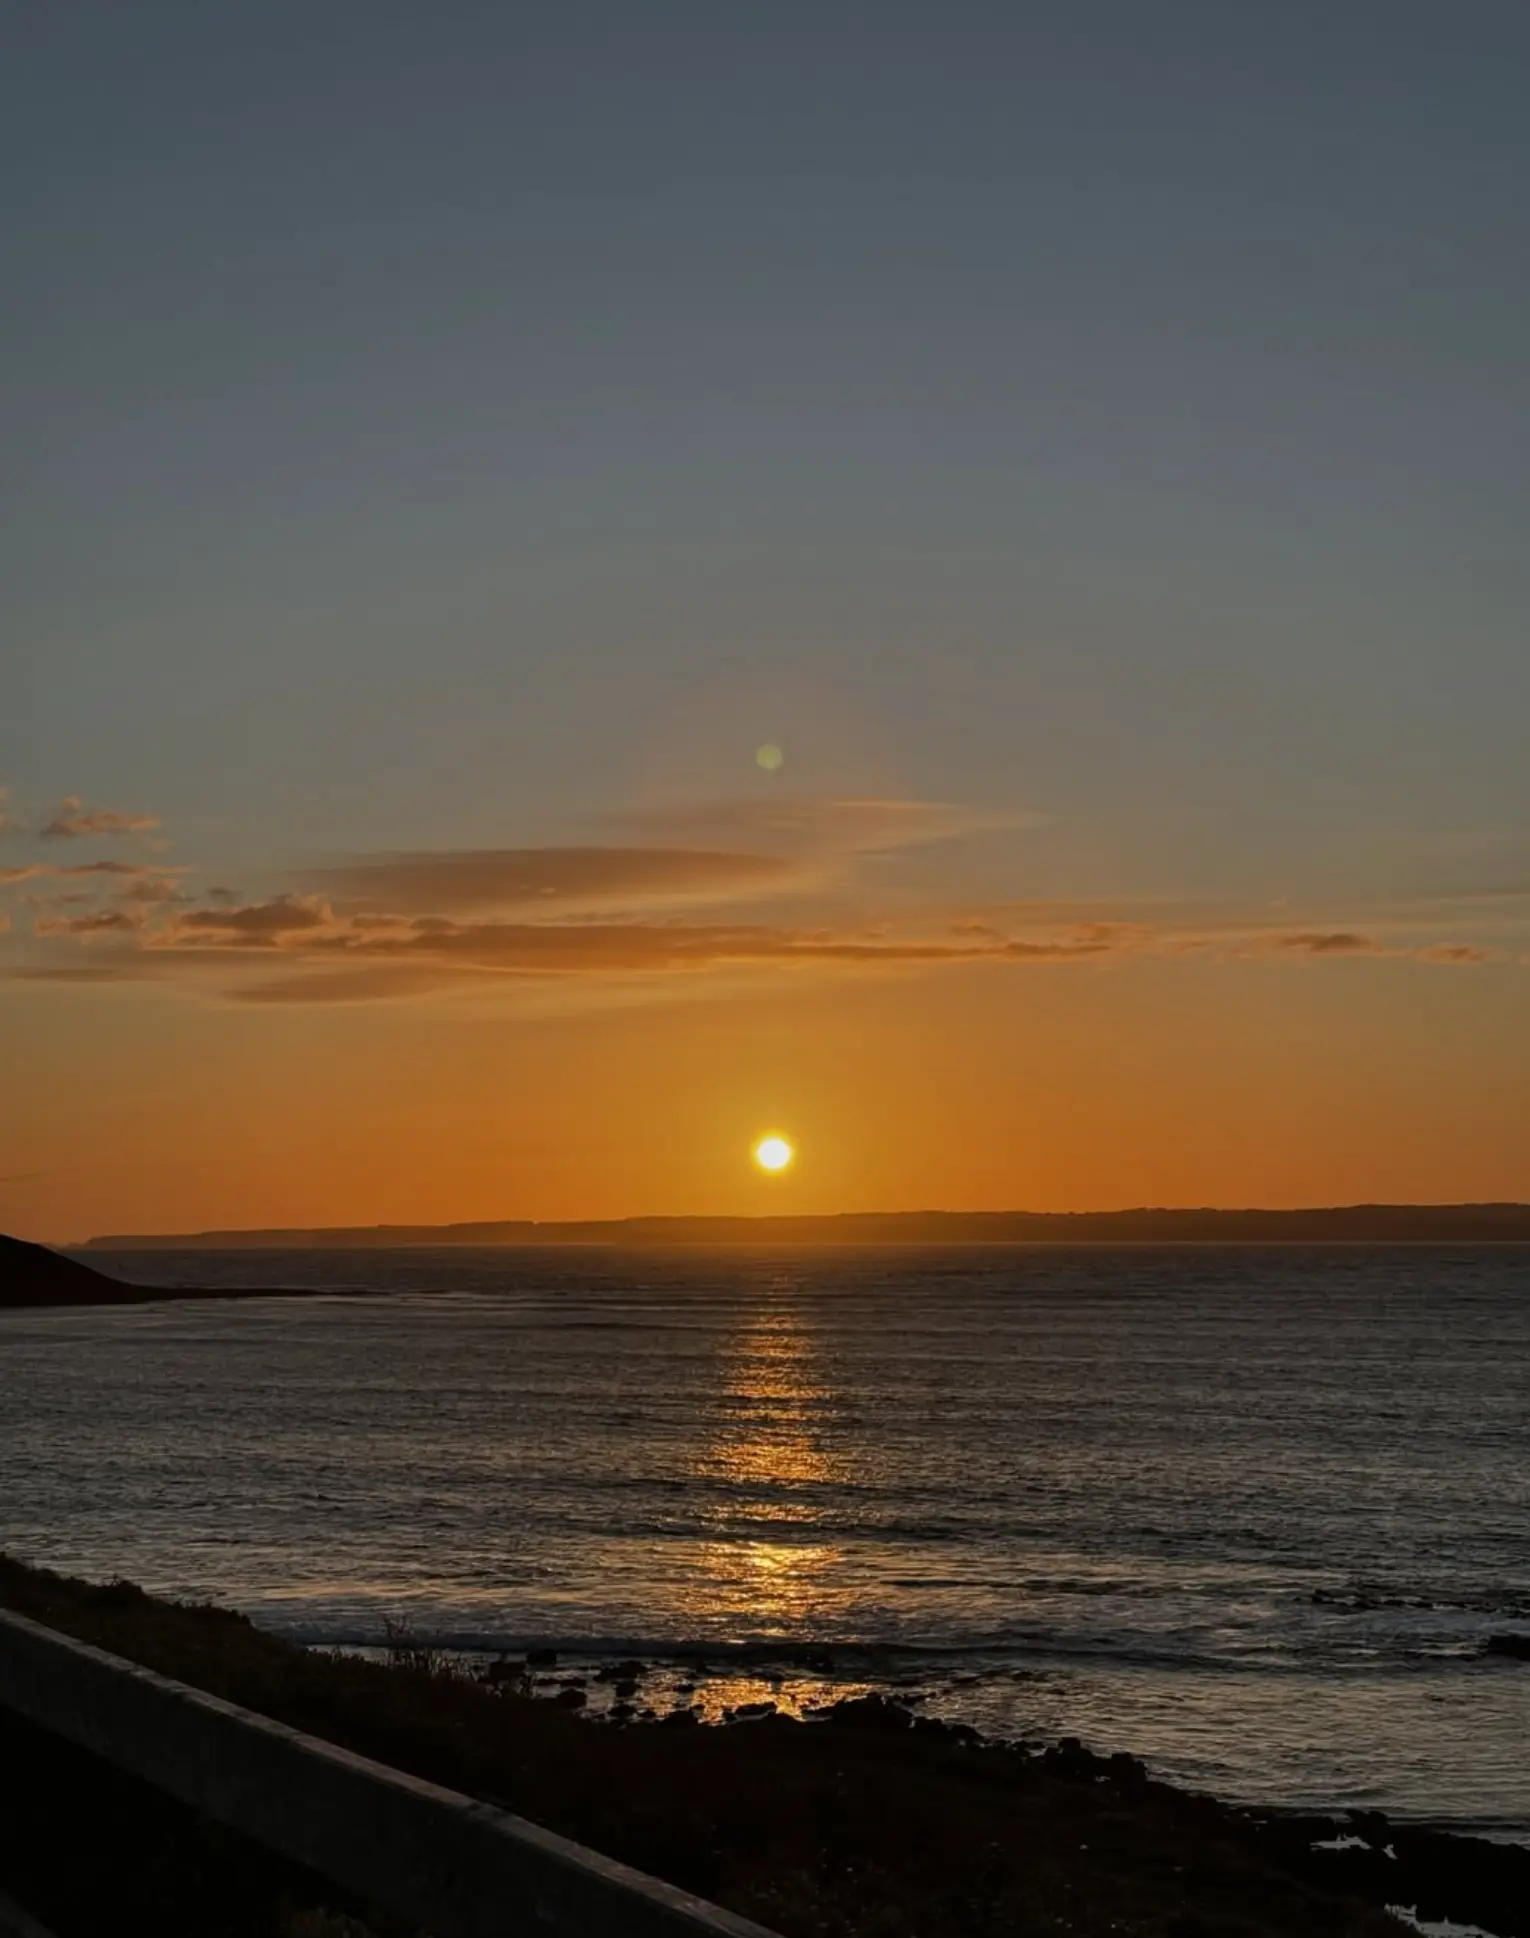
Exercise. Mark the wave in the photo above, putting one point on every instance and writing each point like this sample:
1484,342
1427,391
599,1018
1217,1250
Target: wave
996,1656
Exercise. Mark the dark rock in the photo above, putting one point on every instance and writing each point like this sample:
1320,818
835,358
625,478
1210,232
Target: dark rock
1515,1647
541,1658
751,1712
571,1698
868,1712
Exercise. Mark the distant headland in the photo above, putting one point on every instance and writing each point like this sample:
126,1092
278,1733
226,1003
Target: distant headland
1336,1224
32,1275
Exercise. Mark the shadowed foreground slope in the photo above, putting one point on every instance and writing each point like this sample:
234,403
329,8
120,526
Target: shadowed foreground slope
865,1822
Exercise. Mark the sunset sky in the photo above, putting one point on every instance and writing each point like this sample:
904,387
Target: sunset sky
454,448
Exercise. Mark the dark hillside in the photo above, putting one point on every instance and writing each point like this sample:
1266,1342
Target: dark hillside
32,1275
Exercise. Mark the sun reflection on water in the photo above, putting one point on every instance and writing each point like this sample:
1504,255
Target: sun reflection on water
766,1469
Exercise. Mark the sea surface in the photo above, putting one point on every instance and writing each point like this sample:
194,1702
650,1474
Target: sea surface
1252,1513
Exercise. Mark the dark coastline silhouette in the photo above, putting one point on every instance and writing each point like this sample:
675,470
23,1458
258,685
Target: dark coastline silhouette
1334,1224
32,1275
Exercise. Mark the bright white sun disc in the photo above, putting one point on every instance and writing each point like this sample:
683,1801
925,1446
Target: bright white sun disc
773,1153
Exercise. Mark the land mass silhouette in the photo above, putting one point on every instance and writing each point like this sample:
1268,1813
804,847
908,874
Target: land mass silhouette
1364,1224
32,1275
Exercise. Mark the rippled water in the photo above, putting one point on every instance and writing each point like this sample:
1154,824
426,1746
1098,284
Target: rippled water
1252,1513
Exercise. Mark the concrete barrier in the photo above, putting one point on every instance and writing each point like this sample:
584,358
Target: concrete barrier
17,1923
459,1867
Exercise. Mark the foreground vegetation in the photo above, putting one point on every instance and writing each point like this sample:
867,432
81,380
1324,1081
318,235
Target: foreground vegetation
865,1822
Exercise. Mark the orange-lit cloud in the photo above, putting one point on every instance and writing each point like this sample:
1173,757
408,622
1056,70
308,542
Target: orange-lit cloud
72,821
254,925
415,923
104,921
466,881
1332,942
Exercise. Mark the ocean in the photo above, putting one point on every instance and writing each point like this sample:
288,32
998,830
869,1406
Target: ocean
1255,1514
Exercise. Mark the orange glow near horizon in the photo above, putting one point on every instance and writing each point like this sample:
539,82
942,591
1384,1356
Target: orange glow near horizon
1159,1084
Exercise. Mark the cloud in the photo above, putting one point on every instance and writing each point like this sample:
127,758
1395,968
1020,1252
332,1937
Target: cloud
727,893
9,824
465,881
42,870
151,888
103,921
1323,942
72,821
383,960
254,925
1345,942
579,948
1465,955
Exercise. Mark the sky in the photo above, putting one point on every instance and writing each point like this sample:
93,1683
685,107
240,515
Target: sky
584,582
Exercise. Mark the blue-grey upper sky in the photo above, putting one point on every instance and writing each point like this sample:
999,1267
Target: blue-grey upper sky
440,425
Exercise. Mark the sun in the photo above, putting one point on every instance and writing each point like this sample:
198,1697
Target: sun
773,1154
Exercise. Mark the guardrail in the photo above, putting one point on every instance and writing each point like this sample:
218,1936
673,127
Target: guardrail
459,1867
16,1923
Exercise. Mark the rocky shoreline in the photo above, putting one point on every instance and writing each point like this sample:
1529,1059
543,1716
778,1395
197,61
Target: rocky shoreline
866,1818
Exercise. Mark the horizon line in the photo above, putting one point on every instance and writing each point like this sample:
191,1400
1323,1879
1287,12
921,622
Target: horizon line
712,1224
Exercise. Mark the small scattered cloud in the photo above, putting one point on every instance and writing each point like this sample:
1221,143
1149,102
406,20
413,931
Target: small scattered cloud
154,889
1326,942
253,925
123,870
1466,955
1345,942
72,820
102,921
